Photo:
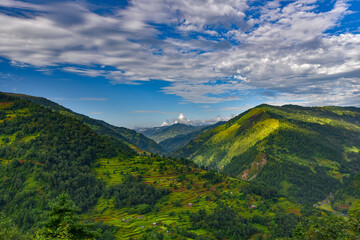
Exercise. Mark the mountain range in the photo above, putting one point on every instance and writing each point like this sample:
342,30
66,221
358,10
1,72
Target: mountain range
256,176
159,134
175,136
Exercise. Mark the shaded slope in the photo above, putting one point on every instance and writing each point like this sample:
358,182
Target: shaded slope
302,151
99,126
159,134
175,143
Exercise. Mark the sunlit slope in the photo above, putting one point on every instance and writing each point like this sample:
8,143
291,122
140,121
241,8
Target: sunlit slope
304,152
130,137
218,146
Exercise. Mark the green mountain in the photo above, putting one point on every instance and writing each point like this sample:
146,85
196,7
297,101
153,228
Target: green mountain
159,134
131,137
305,152
48,158
175,143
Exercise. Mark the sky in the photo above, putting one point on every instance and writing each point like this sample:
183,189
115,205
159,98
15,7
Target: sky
140,63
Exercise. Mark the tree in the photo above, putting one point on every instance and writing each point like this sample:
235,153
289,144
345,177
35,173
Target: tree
64,222
354,214
8,230
322,227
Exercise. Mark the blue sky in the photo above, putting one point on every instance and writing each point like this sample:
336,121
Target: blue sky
139,63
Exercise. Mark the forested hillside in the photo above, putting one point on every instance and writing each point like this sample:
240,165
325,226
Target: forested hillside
44,154
61,180
128,136
306,153
108,191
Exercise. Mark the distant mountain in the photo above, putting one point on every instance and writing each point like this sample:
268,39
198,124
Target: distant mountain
129,136
159,134
305,152
172,144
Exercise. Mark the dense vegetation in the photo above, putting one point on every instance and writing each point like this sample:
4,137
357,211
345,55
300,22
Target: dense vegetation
45,154
62,180
132,192
125,135
305,153
224,222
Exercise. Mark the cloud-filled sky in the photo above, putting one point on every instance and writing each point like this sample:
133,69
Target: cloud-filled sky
139,62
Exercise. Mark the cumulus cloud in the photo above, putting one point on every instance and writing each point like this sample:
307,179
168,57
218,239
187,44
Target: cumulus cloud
180,119
209,51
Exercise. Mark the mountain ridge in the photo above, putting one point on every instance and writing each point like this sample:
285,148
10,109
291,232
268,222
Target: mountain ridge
174,143
129,136
271,143
159,134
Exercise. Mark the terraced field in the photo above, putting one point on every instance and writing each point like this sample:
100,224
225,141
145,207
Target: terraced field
190,192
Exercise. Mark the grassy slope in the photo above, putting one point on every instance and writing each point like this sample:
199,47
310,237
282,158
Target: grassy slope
274,143
136,140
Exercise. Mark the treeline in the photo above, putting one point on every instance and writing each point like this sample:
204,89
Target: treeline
306,186
321,225
133,192
224,223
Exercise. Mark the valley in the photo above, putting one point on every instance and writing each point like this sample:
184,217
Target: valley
256,176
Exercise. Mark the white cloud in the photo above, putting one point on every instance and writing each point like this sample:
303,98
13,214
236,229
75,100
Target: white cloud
288,49
184,120
85,72
180,119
